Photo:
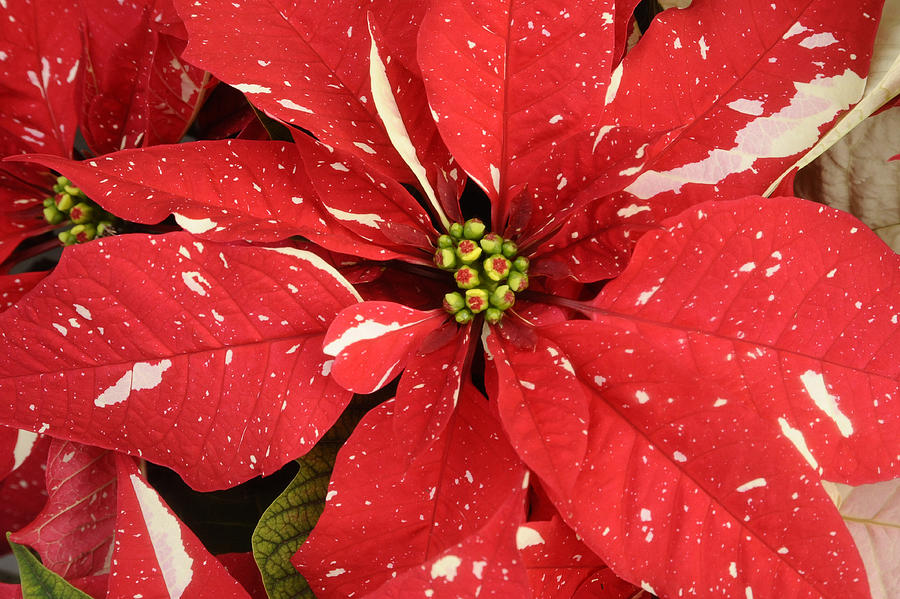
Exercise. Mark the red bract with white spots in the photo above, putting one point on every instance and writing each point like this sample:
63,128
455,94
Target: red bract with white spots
154,553
665,363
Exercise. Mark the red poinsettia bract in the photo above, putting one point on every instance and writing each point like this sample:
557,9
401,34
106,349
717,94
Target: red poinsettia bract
679,420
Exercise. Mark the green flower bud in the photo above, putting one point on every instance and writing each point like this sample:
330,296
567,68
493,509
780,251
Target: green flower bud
473,229
49,202
493,315
503,297
496,268
62,181
463,316
521,264
445,258
466,277
103,227
454,302
72,191
510,249
518,281
491,243
445,241
477,300
456,230
84,233
468,251
64,202
53,216
66,238
82,212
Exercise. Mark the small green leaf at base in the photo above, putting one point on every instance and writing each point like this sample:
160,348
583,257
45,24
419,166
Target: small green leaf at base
287,522
38,582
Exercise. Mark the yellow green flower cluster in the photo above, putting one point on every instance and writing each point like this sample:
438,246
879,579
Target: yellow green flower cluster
485,267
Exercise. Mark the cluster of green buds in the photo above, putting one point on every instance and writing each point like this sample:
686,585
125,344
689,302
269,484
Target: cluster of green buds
486,269
69,203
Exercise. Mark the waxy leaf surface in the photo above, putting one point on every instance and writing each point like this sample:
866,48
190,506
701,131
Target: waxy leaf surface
155,554
372,341
561,567
741,90
730,339
221,190
74,532
117,346
40,53
483,564
390,510
789,287
507,79
305,63
370,205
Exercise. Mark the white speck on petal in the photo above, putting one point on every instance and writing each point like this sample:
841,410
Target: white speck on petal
527,537
753,484
445,567
631,210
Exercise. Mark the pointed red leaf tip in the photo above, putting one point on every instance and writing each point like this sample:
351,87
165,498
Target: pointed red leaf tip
12,287
155,554
39,75
117,346
531,73
313,72
561,566
797,68
793,286
73,534
372,341
421,519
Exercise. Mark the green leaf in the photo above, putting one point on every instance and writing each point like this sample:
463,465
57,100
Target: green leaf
285,525
38,582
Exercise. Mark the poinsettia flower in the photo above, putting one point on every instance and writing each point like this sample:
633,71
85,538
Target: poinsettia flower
632,447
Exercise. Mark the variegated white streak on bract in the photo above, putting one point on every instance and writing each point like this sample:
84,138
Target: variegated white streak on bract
387,108
882,84
175,564
789,131
367,329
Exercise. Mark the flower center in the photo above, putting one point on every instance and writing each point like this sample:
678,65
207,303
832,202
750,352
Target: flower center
486,269
71,204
